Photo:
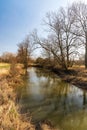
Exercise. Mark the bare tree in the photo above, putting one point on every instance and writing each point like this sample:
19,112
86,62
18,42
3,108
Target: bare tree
8,57
79,11
70,40
61,42
25,50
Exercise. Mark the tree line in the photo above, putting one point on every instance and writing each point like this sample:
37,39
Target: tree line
66,35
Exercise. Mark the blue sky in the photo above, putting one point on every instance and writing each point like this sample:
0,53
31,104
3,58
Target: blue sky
19,17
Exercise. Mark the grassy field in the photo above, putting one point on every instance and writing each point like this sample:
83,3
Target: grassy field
4,68
4,65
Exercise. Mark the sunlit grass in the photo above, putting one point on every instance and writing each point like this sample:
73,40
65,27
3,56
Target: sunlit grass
4,68
78,66
4,65
10,119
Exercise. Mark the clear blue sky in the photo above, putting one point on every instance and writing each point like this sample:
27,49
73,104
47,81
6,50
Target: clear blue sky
19,17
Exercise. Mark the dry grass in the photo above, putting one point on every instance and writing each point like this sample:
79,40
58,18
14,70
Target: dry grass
4,68
47,127
4,65
78,66
4,71
10,119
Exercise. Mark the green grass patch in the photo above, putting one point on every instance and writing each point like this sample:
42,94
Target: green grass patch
4,65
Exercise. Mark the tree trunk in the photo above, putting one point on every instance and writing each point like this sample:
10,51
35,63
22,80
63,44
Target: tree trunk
67,57
86,52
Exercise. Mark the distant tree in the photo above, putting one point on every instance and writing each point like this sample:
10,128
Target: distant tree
8,57
25,50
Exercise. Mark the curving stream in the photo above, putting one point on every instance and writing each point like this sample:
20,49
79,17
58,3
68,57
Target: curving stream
46,97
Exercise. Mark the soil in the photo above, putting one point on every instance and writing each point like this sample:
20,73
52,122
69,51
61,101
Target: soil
75,76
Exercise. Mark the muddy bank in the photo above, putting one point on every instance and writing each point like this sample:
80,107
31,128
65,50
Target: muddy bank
75,76
45,125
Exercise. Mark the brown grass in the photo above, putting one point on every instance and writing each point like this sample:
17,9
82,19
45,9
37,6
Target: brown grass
10,119
77,75
4,71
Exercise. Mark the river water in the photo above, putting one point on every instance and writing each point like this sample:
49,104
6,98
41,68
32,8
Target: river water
46,97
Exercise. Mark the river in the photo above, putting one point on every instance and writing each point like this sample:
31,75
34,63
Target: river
46,97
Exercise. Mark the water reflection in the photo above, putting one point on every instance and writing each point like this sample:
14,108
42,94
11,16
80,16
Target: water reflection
84,98
47,97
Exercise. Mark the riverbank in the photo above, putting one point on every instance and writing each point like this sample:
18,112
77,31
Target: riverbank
10,119
76,76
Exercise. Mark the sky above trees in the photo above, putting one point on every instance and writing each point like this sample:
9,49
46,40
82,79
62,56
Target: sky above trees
19,17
